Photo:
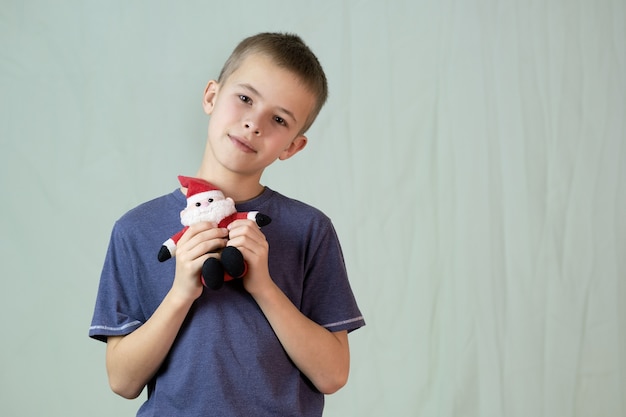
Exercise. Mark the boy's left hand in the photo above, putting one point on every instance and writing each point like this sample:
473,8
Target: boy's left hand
246,236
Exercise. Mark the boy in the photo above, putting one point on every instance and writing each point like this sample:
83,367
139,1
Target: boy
274,342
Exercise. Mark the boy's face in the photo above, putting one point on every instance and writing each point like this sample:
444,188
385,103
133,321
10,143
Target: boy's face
257,115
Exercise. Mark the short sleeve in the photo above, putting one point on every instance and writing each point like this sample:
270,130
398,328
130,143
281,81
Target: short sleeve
117,310
327,297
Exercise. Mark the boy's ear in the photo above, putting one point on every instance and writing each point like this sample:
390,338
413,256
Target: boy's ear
210,93
294,147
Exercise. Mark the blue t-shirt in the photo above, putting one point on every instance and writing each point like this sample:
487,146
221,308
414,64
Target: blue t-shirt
226,359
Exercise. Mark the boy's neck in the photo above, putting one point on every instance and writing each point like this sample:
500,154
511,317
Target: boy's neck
238,188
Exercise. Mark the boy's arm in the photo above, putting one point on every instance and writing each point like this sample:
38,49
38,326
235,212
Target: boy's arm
323,356
133,359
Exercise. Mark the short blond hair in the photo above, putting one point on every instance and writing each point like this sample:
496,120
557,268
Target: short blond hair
288,51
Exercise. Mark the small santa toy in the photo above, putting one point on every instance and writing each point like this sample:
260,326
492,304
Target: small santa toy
205,202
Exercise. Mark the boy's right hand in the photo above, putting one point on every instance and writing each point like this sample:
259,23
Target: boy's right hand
199,242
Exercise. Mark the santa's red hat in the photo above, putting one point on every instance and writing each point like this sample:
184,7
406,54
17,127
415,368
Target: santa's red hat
199,189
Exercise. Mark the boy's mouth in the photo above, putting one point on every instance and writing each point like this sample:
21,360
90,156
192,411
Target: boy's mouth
242,144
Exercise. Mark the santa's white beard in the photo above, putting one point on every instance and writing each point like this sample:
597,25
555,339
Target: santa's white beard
214,212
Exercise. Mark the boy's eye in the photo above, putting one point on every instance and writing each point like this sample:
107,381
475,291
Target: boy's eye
245,99
280,120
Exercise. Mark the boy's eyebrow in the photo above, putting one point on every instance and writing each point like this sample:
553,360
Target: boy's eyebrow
256,92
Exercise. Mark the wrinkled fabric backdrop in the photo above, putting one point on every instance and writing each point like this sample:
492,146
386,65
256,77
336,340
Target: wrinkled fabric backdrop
472,156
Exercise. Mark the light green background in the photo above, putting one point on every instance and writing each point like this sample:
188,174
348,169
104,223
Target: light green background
472,157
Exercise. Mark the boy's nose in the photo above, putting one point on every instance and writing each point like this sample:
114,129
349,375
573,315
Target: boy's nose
249,125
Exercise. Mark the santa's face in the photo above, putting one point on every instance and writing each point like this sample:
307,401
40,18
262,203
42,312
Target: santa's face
210,209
